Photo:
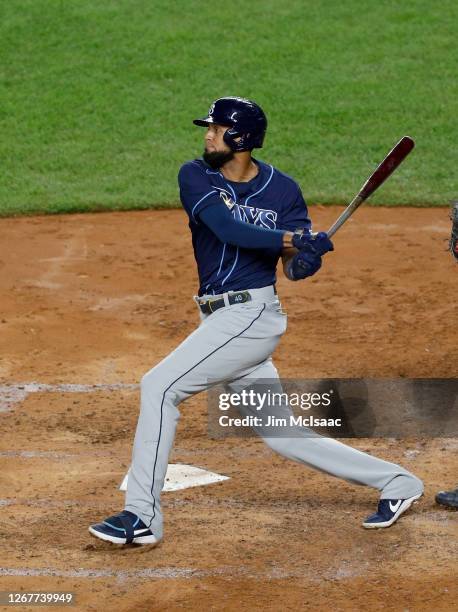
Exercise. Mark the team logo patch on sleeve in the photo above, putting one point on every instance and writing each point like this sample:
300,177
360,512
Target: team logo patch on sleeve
225,196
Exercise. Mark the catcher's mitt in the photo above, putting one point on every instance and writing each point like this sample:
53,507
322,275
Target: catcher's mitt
453,242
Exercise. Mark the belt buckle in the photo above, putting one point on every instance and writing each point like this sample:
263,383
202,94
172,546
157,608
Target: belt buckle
209,304
204,304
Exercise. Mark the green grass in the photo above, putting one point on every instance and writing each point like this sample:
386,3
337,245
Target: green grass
97,98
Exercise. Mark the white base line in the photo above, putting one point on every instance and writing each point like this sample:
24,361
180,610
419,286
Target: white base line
57,455
343,572
18,392
37,454
165,572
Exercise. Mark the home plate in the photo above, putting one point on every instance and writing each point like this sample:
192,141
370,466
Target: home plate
181,476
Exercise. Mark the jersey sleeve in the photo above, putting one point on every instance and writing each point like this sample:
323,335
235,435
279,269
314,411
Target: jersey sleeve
196,191
238,233
294,213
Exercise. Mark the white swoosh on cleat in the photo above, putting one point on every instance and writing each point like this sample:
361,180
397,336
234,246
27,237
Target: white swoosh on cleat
395,507
138,532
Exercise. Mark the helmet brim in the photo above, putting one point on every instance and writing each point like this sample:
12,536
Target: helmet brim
203,122
206,121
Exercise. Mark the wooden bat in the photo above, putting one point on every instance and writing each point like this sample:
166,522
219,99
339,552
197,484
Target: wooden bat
377,178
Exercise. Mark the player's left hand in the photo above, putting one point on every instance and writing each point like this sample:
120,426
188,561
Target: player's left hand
322,244
319,243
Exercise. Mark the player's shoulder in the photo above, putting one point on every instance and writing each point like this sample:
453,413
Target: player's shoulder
279,178
193,170
194,165
286,180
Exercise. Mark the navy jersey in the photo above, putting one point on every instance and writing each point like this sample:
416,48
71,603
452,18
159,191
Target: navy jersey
271,200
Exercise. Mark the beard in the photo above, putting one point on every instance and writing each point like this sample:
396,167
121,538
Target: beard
216,159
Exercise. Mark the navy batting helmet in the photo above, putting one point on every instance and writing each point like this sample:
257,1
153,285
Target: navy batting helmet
245,119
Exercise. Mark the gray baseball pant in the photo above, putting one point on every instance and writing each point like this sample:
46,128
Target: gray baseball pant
234,343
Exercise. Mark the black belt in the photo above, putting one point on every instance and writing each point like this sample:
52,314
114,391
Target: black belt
210,305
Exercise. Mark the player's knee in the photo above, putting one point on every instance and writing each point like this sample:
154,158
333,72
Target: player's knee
156,390
149,382
144,382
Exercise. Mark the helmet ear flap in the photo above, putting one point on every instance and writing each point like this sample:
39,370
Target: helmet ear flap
230,137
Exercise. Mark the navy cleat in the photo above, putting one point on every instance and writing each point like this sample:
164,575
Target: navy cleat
388,512
123,528
448,498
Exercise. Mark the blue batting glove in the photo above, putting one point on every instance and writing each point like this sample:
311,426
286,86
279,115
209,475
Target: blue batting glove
302,238
303,264
322,244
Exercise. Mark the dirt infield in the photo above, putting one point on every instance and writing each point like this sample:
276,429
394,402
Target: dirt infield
91,302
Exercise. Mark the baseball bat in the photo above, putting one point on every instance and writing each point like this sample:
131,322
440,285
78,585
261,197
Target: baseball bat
394,158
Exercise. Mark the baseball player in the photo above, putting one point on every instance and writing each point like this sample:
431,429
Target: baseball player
244,215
